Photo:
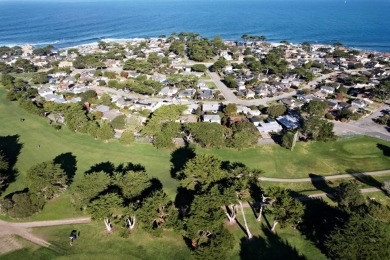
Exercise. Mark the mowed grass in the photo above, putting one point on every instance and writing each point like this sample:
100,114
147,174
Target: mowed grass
41,142
358,154
94,242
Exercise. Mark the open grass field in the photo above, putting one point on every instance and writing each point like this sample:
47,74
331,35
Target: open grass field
41,142
95,243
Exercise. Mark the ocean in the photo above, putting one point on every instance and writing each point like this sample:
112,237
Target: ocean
361,24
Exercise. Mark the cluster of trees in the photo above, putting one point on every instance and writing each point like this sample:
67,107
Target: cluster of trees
362,228
124,195
45,181
20,66
163,128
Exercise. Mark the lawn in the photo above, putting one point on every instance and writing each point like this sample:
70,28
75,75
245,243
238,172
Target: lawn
94,242
322,158
41,142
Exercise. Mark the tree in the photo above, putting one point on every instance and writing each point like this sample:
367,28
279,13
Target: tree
218,65
360,238
76,118
105,132
317,108
230,109
349,197
245,134
318,129
200,172
199,68
285,209
127,137
119,122
132,183
288,139
40,78
104,207
47,179
25,204
84,192
206,134
276,110
4,167
169,130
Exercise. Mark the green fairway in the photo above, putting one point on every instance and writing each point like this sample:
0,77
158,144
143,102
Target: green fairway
344,156
41,142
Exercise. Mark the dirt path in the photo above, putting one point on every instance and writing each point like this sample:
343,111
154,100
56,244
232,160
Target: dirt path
8,230
322,178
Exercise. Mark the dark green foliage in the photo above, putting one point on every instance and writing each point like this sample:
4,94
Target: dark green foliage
199,67
127,137
40,78
201,172
218,65
139,66
25,204
318,129
84,192
200,50
76,118
43,51
4,168
276,110
87,62
30,106
105,132
7,81
245,134
206,134
164,138
46,179
348,197
230,81
285,209
362,237
316,108
119,122
288,139
105,206
88,95
177,47
23,65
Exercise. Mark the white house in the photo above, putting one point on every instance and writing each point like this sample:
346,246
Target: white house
212,119
214,108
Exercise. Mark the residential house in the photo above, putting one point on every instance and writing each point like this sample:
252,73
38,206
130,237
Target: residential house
168,92
289,121
327,89
111,114
212,119
269,125
187,93
213,108
206,94
358,103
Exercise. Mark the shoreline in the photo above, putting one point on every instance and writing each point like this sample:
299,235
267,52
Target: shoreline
95,42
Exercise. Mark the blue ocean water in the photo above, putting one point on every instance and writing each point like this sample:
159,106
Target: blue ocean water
362,24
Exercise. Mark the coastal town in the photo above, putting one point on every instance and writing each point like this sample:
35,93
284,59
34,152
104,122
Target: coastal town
198,141
132,79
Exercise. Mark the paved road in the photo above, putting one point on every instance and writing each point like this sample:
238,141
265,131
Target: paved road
323,195
331,177
365,126
21,229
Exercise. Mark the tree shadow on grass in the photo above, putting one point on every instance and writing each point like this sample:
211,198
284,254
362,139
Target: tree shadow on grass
385,149
321,184
10,148
107,167
179,158
270,247
319,220
68,163
122,168
364,178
